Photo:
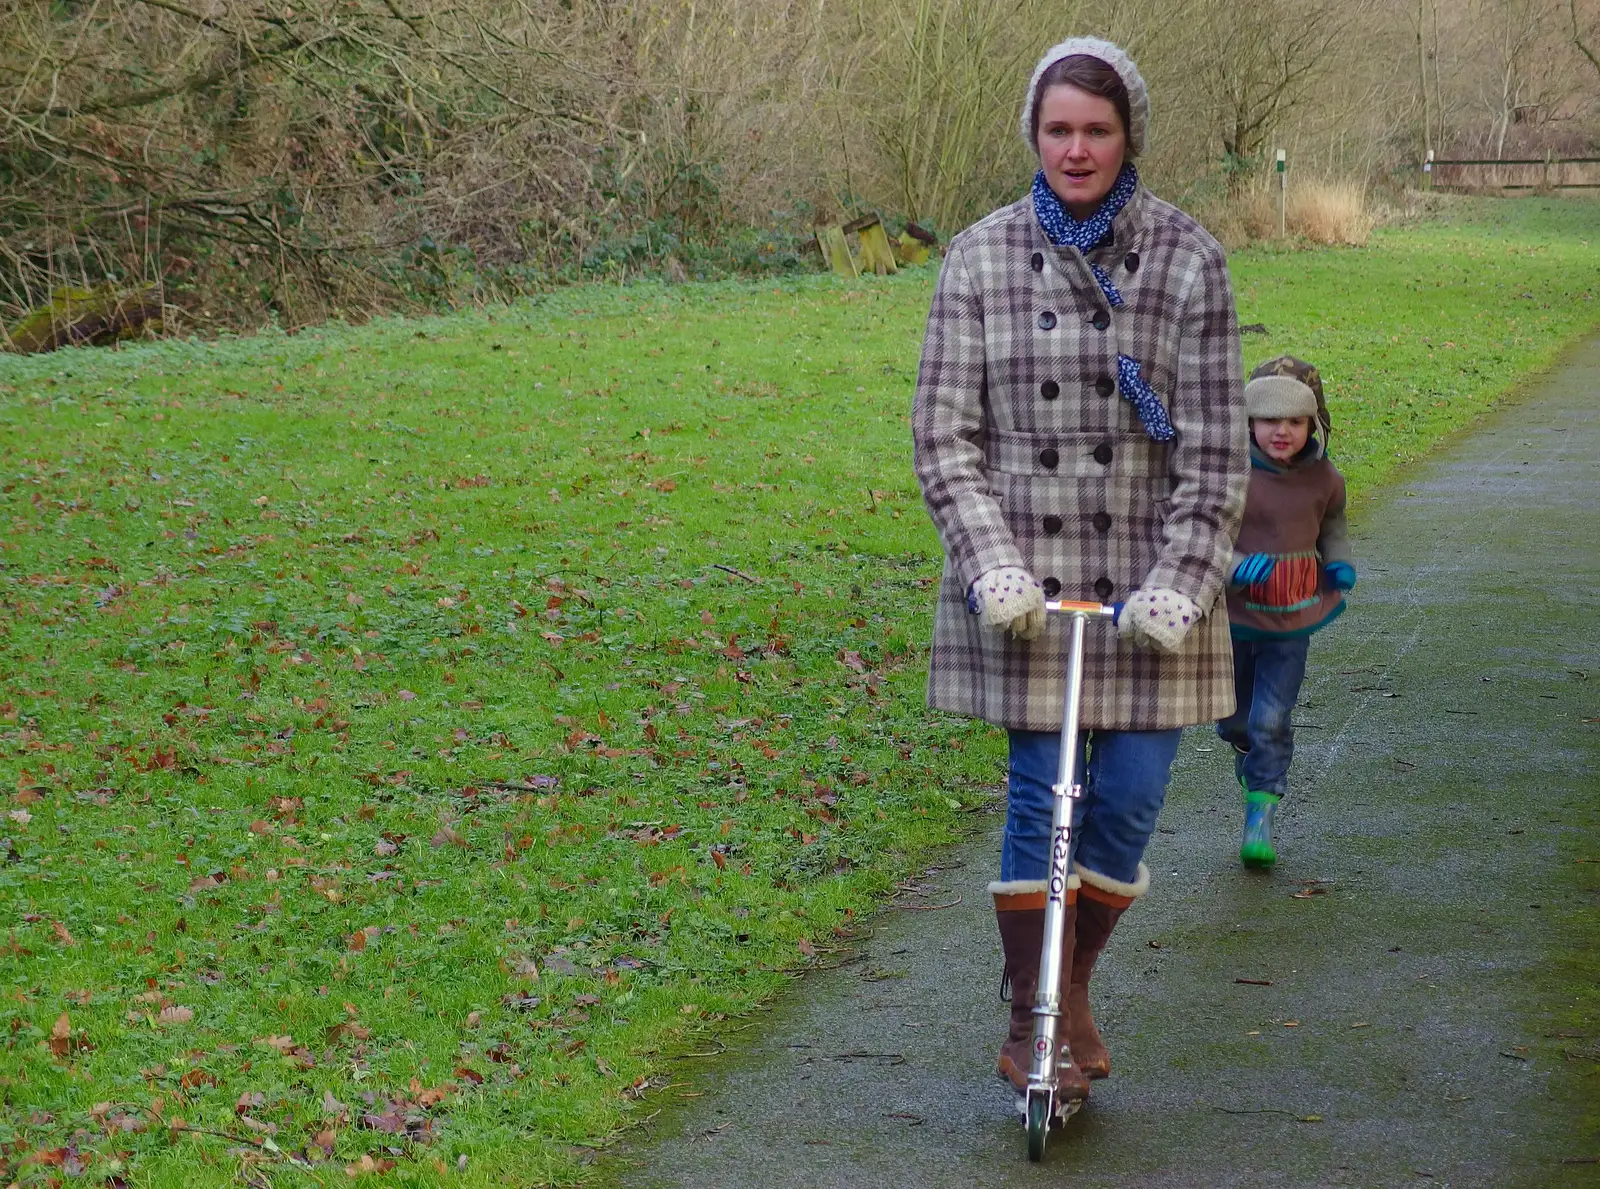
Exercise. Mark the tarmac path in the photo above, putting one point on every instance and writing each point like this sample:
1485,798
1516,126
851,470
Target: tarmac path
1431,1017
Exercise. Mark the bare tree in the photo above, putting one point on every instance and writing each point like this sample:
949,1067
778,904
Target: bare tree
1584,37
1261,60
249,161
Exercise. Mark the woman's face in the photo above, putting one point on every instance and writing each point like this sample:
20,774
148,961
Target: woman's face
1081,146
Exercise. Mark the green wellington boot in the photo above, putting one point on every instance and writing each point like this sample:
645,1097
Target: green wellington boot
1256,849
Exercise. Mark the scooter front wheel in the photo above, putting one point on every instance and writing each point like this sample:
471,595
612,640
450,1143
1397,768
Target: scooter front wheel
1038,1125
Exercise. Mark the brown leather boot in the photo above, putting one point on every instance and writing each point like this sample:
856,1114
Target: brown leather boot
1019,911
1101,903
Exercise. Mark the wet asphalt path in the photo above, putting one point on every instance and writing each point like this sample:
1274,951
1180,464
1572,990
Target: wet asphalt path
1430,1018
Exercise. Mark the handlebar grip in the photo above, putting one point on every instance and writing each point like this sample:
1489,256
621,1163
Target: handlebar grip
1092,610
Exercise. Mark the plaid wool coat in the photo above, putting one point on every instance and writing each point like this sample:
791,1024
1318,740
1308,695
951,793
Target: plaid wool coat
1028,457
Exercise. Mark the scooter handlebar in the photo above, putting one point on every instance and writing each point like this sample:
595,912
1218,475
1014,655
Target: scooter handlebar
1109,611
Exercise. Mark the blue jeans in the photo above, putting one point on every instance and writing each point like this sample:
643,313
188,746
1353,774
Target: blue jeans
1111,824
1266,685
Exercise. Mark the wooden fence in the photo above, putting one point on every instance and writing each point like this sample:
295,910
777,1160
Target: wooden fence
1480,176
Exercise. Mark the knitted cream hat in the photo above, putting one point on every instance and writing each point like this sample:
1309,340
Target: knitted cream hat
1273,397
1114,57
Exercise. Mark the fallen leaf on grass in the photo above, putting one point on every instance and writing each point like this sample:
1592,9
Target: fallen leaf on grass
175,1014
391,1122
64,937
447,836
806,947
348,1028
369,1165
430,1096
851,659
61,1042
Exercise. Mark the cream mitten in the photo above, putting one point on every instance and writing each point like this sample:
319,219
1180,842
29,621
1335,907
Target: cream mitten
1157,618
1010,599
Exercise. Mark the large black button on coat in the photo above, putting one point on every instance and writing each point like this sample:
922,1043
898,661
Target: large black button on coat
1132,262
1102,588
1047,321
1048,458
1038,262
1101,319
1101,522
1049,390
1102,454
1052,525
1105,386
1052,587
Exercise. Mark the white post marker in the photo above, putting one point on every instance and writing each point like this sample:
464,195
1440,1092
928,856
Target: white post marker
1283,188
1427,172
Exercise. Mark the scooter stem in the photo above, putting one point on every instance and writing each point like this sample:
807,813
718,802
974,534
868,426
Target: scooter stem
1067,789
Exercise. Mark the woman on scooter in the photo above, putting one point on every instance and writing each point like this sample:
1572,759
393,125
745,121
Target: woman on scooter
1079,433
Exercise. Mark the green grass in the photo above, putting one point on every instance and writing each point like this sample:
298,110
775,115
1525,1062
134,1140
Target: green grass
375,695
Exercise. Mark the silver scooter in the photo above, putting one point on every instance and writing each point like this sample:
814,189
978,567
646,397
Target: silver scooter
1041,1108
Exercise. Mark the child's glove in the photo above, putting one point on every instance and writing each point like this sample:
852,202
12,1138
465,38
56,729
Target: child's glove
1341,575
1253,568
1008,599
1158,619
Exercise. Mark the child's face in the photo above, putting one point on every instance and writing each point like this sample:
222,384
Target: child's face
1281,438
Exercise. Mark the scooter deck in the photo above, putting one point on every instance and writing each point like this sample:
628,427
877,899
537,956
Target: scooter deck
1064,1110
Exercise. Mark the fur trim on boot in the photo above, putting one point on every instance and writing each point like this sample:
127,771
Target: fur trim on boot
1114,889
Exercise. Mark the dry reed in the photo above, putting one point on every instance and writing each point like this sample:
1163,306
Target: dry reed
1330,212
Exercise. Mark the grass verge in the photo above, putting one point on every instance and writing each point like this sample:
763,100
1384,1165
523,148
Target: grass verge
412,732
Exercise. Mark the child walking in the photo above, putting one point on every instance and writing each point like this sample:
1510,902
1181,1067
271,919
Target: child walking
1288,581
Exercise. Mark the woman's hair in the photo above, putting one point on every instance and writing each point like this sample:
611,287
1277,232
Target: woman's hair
1087,74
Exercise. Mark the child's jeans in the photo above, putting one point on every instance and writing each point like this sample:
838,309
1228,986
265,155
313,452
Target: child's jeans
1266,685
1113,821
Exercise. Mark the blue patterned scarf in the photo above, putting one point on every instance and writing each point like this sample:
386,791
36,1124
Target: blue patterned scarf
1086,235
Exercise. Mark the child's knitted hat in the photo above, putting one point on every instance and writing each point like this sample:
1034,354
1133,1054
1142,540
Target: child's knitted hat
1307,374
1273,397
